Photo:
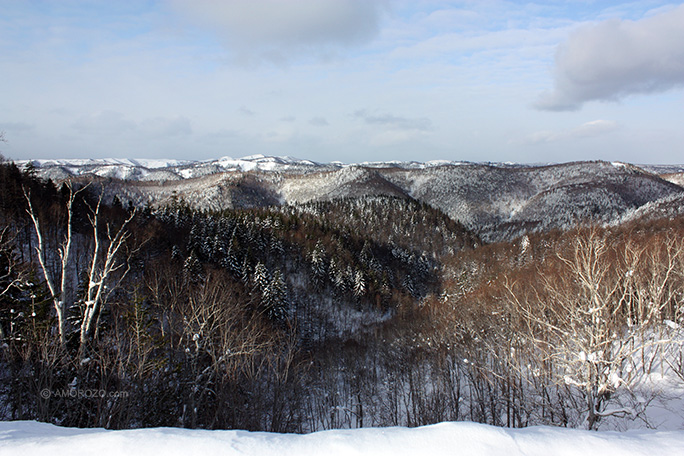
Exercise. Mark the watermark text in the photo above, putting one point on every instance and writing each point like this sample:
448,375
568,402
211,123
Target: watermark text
75,393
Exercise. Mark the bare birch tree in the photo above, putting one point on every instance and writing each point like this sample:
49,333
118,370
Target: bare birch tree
57,281
103,264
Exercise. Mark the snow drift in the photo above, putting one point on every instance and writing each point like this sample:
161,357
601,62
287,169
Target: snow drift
463,438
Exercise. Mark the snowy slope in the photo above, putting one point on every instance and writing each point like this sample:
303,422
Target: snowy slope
675,178
27,438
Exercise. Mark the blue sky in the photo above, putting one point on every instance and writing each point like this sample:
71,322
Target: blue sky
347,80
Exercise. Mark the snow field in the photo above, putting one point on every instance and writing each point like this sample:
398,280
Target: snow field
27,438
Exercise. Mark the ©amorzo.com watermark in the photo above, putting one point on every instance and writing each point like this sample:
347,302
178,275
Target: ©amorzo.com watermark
73,393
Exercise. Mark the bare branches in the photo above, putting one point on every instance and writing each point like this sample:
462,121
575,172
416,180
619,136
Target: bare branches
12,275
103,263
40,249
102,266
59,295
588,315
216,324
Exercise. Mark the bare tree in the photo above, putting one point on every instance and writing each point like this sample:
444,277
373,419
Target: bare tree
103,264
221,339
59,278
589,312
12,274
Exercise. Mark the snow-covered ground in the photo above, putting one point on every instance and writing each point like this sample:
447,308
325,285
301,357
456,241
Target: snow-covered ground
32,438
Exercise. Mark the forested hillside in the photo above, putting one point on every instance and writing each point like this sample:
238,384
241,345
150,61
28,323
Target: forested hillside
365,307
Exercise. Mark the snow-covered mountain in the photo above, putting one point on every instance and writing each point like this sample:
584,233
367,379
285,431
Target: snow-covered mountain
162,170
497,201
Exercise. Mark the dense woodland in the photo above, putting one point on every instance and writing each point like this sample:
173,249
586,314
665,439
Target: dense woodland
366,311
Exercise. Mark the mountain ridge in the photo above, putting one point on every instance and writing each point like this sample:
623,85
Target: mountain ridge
497,201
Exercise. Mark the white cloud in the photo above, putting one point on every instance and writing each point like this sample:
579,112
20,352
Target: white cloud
319,122
586,130
245,111
390,130
616,58
278,29
390,121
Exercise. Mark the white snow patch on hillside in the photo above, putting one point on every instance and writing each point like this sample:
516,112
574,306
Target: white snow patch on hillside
161,163
81,162
242,164
31,438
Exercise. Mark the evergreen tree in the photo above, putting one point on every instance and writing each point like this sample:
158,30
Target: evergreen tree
359,284
192,268
260,278
319,264
275,298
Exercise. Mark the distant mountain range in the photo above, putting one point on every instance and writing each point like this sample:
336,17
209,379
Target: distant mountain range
160,169
497,201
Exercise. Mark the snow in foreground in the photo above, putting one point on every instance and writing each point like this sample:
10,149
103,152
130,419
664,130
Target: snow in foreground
32,438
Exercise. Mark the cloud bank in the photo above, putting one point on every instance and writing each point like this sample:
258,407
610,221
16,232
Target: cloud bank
617,58
280,29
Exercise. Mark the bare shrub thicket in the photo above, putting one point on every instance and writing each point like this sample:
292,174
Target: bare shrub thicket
572,334
214,342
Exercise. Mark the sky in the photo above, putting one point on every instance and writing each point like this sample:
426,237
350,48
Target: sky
343,80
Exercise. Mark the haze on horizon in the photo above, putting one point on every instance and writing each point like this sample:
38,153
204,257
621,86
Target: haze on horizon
347,80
